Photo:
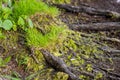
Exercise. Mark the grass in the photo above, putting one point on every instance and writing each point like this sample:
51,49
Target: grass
37,39
29,7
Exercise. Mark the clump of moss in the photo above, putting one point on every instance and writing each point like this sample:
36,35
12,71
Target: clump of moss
44,22
38,39
29,7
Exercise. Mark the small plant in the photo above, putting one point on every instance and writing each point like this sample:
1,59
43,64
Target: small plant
23,61
1,35
6,24
98,76
89,67
4,62
24,21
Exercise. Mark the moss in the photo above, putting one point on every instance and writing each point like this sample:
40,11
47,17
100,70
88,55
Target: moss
32,63
37,39
59,76
10,45
114,15
29,7
9,41
98,76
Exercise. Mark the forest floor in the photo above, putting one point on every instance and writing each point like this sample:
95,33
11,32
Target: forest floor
70,18
83,18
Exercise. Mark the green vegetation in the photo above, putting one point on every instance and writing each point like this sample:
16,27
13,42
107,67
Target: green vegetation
7,24
1,35
20,12
37,39
29,7
3,62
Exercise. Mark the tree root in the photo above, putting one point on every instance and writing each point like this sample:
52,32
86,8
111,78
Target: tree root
88,10
107,26
58,64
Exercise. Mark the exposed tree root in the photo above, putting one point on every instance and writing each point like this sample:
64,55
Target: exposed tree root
111,39
110,50
89,10
102,38
107,26
58,64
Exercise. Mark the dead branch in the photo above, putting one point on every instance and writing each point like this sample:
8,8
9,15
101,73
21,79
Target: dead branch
111,75
58,64
111,39
107,26
89,10
102,37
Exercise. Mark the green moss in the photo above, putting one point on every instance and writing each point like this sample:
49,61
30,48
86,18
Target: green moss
98,76
37,39
29,7
9,41
59,76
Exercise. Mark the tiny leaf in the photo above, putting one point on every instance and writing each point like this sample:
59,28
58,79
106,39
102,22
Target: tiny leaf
1,35
7,60
30,23
21,21
7,24
1,60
